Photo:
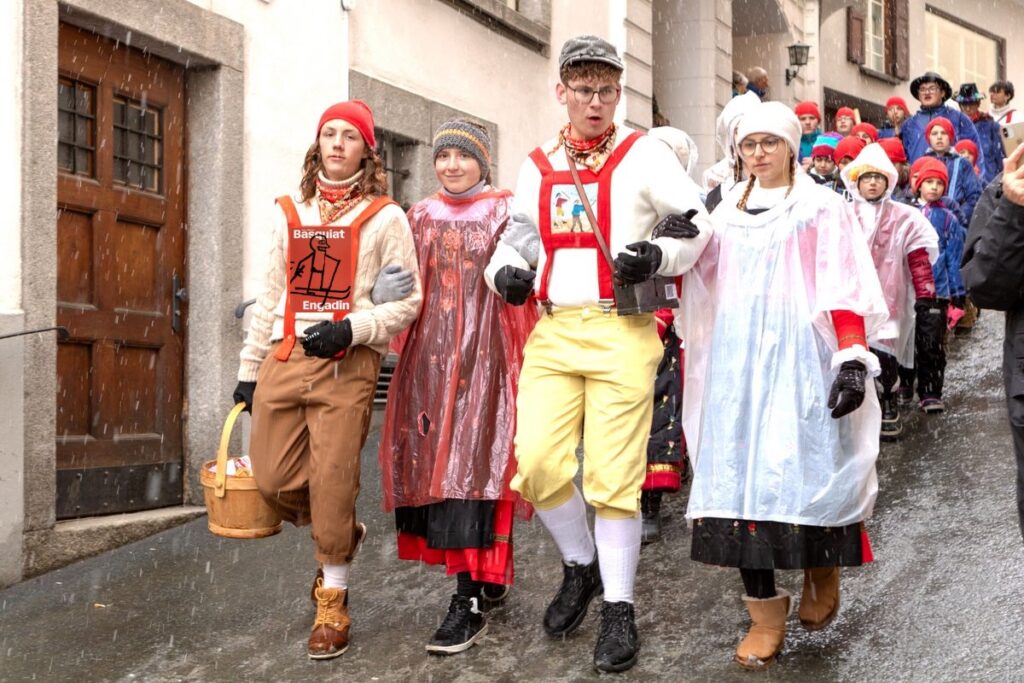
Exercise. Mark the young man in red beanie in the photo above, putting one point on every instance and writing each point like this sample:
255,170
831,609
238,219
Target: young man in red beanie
845,121
929,179
810,127
589,355
963,185
896,112
312,353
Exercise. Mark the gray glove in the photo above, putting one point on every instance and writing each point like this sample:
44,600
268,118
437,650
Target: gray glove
392,284
522,235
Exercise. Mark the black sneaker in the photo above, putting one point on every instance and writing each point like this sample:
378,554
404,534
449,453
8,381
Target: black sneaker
891,426
650,510
462,626
581,583
618,643
494,594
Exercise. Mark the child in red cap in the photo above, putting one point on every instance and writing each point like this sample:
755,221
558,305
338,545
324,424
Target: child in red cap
896,112
866,132
312,353
898,156
968,150
963,186
846,151
810,127
929,177
845,120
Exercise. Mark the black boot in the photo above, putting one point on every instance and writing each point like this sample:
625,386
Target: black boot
650,509
618,643
581,583
462,626
891,425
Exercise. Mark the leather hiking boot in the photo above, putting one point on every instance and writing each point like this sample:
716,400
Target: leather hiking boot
581,583
767,632
650,511
462,627
329,637
819,603
618,644
892,427
360,537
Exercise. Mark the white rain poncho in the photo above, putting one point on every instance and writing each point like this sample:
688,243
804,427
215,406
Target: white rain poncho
721,172
762,356
892,230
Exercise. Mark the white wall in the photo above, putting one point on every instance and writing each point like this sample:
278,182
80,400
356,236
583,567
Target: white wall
296,65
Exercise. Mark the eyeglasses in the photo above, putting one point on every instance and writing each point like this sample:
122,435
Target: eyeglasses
871,176
767,145
585,95
928,89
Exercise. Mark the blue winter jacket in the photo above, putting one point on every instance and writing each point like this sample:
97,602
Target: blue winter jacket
964,185
946,268
915,142
991,146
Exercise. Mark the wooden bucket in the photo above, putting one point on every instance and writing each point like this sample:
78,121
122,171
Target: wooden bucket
234,506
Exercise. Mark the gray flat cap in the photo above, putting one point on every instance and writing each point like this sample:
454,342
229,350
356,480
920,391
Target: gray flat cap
589,49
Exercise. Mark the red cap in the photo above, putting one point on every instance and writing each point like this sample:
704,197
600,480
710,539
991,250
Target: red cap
355,112
850,146
822,150
925,168
845,111
894,150
969,146
865,127
897,102
807,109
946,124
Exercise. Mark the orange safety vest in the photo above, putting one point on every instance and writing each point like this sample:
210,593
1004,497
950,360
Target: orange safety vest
322,292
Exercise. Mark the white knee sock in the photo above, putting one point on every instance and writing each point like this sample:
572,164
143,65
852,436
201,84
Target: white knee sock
567,524
618,553
336,575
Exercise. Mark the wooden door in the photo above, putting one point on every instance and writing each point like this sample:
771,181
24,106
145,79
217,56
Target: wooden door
120,277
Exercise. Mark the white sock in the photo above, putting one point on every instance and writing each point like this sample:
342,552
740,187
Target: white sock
336,575
618,553
567,524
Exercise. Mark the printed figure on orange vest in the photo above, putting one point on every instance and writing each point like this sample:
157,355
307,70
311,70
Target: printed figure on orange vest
311,406
584,359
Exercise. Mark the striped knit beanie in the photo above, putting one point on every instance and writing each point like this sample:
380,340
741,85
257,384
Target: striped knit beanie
466,137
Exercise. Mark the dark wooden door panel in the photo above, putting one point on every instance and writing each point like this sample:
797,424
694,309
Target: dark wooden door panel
121,244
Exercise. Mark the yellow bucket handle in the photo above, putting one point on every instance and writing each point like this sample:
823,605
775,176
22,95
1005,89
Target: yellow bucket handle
222,452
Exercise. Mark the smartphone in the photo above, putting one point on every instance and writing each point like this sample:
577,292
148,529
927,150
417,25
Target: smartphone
1013,136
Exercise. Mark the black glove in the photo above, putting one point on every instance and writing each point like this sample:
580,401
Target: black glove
327,339
677,225
848,389
243,394
930,327
634,269
514,284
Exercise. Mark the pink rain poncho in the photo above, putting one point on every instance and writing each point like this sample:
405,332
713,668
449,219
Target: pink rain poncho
451,415
761,356
892,230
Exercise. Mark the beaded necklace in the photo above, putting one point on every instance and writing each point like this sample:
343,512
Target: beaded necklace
590,153
335,198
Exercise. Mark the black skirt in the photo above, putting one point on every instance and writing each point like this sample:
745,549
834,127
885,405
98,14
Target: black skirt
450,524
775,545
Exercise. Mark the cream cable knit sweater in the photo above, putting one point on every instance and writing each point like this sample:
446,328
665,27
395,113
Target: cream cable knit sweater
384,239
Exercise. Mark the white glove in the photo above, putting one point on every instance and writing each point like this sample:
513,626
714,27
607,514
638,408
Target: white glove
392,284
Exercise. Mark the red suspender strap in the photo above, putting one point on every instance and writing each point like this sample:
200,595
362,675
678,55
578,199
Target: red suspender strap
286,204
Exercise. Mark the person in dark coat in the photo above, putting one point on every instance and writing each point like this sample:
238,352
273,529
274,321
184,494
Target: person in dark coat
932,91
969,98
993,270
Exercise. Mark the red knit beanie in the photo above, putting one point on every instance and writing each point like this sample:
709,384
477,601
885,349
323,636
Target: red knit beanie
897,102
946,124
865,127
845,111
969,146
807,109
850,146
822,150
355,112
925,168
894,150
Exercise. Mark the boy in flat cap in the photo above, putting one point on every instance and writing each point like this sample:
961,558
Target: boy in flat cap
583,357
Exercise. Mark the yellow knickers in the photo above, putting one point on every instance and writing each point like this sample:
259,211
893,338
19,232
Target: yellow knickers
582,361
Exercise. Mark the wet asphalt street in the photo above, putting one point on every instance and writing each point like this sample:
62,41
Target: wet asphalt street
943,602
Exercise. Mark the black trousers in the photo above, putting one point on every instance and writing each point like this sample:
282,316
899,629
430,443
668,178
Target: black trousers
929,369
890,371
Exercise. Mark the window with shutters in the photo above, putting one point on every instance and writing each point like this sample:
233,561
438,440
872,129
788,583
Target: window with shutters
962,53
877,37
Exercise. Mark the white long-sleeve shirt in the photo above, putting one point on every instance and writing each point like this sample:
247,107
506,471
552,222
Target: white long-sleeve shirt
647,185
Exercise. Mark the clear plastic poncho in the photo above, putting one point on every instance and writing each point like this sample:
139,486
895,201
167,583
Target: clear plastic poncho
761,356
892,230
451,412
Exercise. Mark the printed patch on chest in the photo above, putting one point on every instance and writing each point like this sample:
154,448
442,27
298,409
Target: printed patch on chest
320,269
567,211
